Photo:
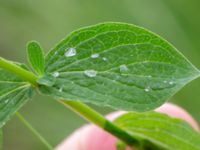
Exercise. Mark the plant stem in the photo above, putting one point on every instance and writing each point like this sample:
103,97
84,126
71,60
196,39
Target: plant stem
28,125
91,115
78,107
24,74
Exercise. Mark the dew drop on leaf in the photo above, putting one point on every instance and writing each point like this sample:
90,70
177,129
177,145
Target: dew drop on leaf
171,82
104,58
61,89
149,76
90,73
94,55
123,68
165,81
70,52
56,74
147,89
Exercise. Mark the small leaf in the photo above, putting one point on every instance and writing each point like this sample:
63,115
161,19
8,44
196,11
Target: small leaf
36,57
118,65
14,93
160,130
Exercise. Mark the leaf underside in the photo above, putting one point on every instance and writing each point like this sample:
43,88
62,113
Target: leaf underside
161,130
14,93
118,65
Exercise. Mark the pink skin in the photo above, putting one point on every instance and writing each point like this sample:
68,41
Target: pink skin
90,137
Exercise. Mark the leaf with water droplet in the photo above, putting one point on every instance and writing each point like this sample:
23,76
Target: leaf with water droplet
36,57
14,93
94,55
47,80
123,68
90,73
158,131
55,74
132,59
104,58
147,89
70,52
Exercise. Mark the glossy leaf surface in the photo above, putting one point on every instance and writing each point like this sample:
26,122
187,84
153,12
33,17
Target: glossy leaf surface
118,65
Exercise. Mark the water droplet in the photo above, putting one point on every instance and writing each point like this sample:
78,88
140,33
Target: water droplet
171,82
165,81
48,80
123,68
149,76
90,73
104,58
71,52
56,53
147,89
55,74
61,89
94,55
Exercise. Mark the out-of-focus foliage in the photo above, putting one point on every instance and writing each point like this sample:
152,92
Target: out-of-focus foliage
49,21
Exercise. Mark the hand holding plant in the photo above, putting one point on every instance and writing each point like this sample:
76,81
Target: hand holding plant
91,137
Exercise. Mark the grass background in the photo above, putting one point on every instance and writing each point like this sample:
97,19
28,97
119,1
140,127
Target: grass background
49,21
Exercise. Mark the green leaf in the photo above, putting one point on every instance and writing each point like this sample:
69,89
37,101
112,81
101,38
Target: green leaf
118,65
161,130
36,57
14,93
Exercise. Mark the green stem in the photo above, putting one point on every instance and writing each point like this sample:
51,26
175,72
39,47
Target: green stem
28,125
91,115
78,107
24,74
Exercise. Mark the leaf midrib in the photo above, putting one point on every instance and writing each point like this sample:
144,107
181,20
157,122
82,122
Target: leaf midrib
116,98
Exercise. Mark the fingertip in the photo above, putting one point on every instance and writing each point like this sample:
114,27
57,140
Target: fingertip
76,141
90,137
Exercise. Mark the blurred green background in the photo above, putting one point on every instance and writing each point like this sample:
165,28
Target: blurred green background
49,21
